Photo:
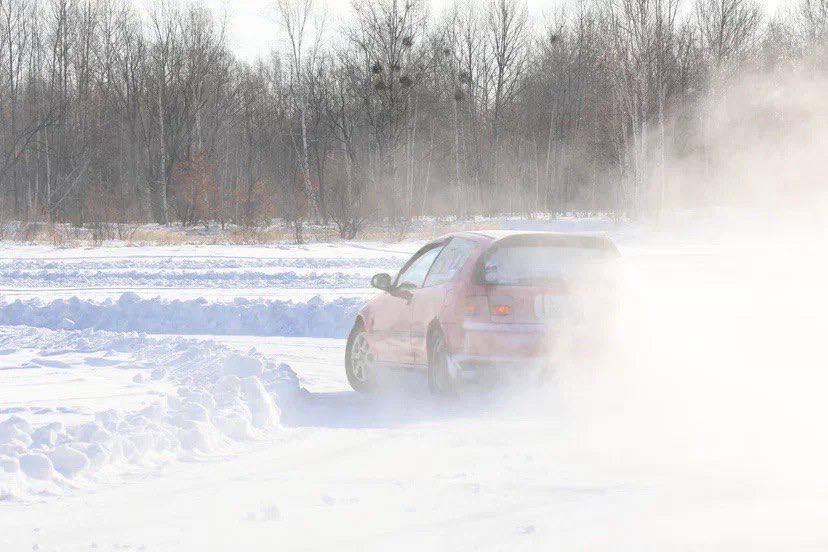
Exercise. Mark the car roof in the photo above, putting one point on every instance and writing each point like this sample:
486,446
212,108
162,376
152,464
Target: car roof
497,235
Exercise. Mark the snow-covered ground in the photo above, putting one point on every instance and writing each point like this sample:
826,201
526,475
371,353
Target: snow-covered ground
215,272
280,290
244,435
314,317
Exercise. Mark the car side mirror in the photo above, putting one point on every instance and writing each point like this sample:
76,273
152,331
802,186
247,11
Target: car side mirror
381,281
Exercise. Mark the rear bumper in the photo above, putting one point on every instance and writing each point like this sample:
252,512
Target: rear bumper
475,367
482,348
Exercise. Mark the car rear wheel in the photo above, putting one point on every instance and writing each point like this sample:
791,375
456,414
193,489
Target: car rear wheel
359,361
440,379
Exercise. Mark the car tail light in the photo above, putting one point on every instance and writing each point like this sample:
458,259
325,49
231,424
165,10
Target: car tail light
501,310
501,307
475,306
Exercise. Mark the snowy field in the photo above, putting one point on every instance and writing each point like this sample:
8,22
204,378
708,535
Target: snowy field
193,398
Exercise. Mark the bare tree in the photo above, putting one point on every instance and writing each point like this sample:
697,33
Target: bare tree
189,61
808,23
108,115
472,57
296,18
644,43
728,30
390,56
508,37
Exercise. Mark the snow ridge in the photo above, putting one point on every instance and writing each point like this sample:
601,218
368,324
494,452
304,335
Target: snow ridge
312,318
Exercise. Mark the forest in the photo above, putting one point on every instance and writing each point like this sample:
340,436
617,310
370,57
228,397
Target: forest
115,114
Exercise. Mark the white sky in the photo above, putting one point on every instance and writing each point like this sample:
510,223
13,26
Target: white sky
253,31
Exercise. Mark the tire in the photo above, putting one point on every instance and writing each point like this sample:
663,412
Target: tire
358,359
440,380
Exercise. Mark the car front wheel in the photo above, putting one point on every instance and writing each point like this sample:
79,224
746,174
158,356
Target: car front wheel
358,361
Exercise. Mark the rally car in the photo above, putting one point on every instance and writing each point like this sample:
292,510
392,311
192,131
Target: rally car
471,305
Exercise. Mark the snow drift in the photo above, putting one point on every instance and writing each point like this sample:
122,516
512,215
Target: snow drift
209,398
313,318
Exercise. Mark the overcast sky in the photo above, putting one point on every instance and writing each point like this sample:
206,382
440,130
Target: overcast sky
253,30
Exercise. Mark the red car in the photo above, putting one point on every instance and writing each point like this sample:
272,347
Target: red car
473,304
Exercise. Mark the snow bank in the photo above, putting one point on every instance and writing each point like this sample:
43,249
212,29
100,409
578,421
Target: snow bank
65,276
313,318
218,267
216,397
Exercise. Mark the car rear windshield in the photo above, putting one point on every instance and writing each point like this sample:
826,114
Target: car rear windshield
537,260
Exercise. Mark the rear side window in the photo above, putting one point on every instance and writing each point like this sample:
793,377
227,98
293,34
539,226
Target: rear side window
450,262
538,260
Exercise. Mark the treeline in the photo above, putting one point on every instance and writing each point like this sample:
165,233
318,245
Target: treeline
111,114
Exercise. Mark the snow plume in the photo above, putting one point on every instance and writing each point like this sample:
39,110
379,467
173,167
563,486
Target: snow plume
757,141
715,378
719,378
208,399
719,375
726,367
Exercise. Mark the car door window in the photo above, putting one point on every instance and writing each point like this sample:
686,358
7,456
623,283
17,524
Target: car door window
450,261
413,276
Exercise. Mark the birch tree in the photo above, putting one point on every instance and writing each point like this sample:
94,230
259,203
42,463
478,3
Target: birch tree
508,38
296,18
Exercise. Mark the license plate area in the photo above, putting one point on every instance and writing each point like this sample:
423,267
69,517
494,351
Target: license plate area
549,307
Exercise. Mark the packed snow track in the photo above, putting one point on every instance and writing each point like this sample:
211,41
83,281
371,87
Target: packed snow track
168,399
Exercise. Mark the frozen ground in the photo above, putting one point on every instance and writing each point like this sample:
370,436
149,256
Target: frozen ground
709,436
